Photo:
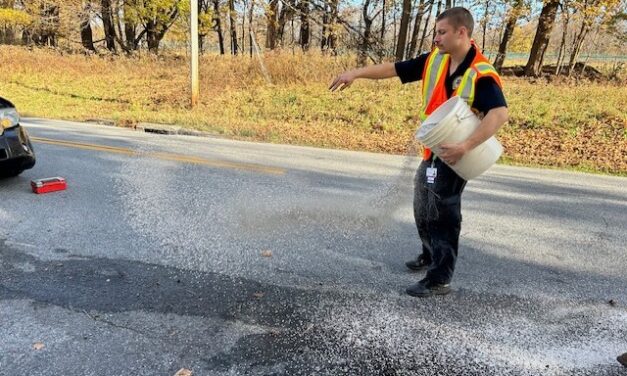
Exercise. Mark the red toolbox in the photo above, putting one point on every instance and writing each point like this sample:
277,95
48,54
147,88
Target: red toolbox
48,185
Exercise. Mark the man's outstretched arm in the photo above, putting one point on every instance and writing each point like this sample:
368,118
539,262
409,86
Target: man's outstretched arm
374,72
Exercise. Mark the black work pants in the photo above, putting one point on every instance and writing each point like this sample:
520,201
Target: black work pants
437,211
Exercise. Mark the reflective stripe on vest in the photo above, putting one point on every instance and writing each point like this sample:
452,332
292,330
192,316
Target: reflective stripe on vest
466,88
434,69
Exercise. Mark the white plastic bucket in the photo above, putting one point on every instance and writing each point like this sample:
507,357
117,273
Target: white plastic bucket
454,122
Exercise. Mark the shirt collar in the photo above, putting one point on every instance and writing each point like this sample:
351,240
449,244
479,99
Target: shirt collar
470,56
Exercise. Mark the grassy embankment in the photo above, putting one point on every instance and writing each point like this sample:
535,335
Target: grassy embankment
560,124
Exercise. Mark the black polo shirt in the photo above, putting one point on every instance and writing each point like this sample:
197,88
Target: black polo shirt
488,94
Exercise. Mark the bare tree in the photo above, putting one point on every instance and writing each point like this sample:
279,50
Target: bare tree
233,27
130,25
304,24
366,39
332,39
414,35
424,31
541,39
562,49
402,34
271,28
437,13
107,24
383,18
251,12
217,25
484,23
287,14
46,33
87,37
517,9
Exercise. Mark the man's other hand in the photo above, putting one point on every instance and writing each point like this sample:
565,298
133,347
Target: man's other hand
452,153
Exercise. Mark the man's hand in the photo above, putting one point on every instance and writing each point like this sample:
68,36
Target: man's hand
373,72
452,153
342,81
494,119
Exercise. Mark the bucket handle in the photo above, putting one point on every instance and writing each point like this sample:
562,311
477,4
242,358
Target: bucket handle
461,118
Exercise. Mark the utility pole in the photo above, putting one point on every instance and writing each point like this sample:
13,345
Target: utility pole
194,43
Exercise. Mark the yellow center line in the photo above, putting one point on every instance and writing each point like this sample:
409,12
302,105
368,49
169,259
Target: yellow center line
164,156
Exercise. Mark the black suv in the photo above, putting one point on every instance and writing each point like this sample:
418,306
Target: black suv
16,151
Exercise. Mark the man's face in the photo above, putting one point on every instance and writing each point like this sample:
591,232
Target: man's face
447,38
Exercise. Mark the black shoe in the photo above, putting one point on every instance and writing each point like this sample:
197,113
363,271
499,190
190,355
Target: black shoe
622,359
418,264
426,288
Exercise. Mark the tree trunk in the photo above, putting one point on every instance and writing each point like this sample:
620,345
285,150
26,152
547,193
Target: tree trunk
332,40
27,37
152,37
250,26
130,26
233,27
402,33
365,41
287,14
47,33
156,28
87,38
437,13
414,34
7,35
394,33
107,24
217,24
484,24
424,31
581,36
512,18
304,24
383,23
541,39
325,28
562,49
242,43
271,34
130,30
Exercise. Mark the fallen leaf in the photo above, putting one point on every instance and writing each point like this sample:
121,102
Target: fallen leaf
266,253
258,295
183,372
38,345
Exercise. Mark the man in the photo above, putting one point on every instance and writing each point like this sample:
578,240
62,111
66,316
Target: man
454,67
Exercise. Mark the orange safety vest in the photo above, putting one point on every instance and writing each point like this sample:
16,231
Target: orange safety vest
434,89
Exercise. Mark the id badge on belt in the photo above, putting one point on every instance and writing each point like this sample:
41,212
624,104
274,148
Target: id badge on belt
432,172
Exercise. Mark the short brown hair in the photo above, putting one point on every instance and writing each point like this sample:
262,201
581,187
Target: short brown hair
457,17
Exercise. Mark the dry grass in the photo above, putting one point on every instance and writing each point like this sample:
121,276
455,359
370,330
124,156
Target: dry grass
567,124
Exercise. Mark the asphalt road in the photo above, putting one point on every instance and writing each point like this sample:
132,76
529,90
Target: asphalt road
238,258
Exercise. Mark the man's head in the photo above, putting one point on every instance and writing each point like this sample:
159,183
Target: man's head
453,29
